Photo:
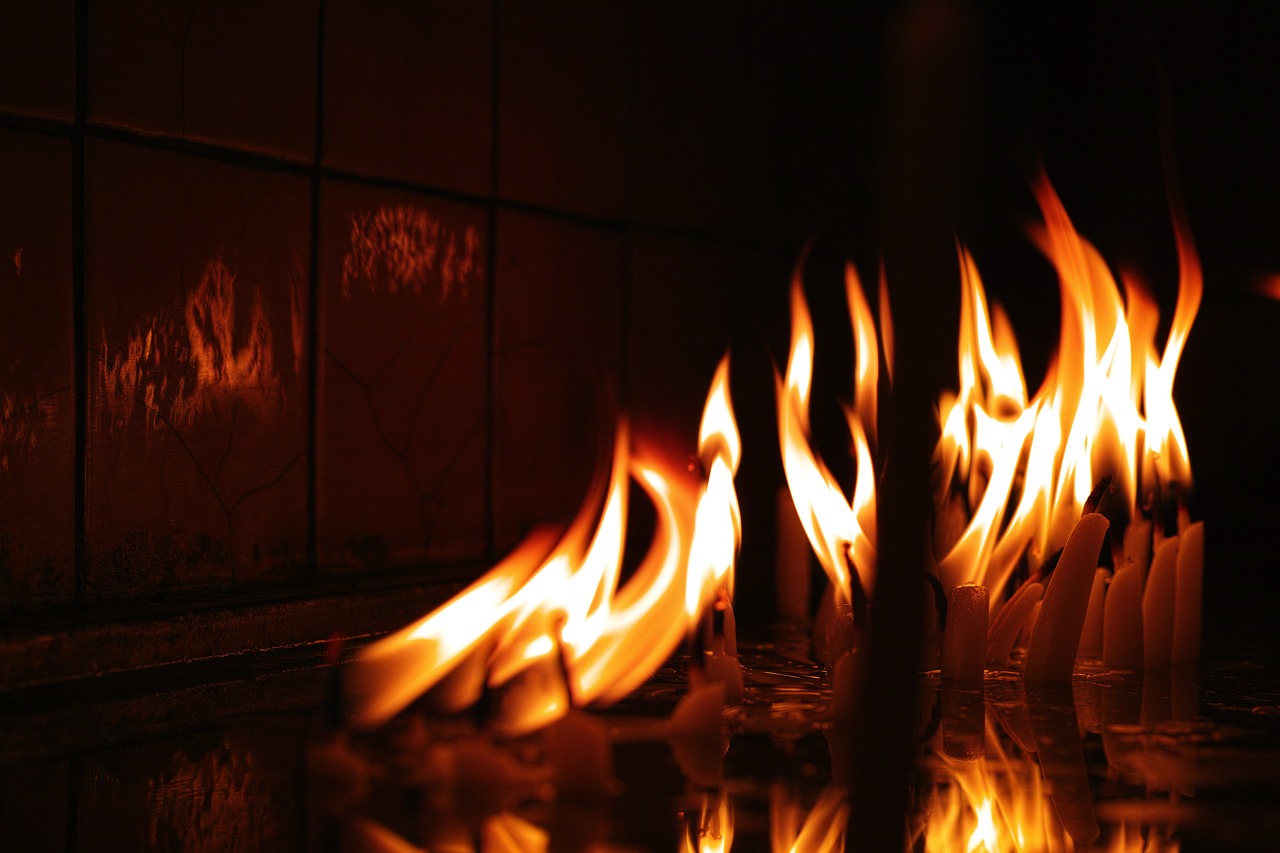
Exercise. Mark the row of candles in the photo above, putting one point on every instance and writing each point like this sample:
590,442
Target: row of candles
551,629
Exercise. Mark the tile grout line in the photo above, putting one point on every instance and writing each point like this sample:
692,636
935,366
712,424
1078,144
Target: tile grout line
491,287
312,567
79,292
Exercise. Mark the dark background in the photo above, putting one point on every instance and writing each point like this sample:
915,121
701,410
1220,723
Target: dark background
639,179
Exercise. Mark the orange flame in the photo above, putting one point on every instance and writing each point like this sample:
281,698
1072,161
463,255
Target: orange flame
822,830
841,532
1105,406
714,829
562,597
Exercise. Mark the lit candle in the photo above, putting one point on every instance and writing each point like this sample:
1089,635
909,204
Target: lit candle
1190,574
964,640
1052,652
1013,616
1122,620
792,560
1158,602
1091,634
724,669
1137,545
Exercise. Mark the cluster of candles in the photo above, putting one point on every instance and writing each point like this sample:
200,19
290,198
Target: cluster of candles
1023,568
1019,541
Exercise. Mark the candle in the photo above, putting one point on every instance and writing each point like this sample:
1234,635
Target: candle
1158,603
964,640
1122,620
1052,652
793,559
826,611
1013,616
724,669
1190,583
1137,545
1091,633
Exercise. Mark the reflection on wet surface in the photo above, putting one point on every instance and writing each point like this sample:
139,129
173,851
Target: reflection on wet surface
1181,761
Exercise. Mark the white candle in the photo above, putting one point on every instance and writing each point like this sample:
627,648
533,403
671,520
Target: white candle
1091,634
724,669
1137,545
1122,620
964,640
1190,587
1066,599
1158,603
793,558
826,611
1012,617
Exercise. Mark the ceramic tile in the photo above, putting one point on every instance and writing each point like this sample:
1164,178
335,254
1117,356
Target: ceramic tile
196,298
37,399
408,91
401,435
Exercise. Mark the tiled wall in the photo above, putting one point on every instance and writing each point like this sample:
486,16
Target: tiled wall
301,289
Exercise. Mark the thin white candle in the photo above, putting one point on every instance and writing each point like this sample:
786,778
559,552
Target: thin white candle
1052,652
1158,602
1187,612
1091,634
1010,621
1137,545
1122,620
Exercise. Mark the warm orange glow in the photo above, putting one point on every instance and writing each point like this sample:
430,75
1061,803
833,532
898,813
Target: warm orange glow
557,604
841,531
1000,802
822,830
1105,406
714,830
992,804
173,368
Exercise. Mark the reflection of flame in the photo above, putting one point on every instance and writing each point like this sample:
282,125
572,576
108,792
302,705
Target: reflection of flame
176,367
405,249
821,831
995,803
564,599
841,532
22,417
713,832
1105,407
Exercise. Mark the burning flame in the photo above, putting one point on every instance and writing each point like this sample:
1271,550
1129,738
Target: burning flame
558,603
841,532
1026,466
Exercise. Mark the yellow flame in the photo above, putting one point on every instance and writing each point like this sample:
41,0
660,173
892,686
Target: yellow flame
822,830
1105,406
563,596
841,532
714,829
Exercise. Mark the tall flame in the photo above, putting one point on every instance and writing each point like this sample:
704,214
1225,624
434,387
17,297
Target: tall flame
558,604
1105,406
841,532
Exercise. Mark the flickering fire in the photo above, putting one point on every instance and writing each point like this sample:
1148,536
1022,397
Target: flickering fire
1105,407
551,623
841,531
1013,471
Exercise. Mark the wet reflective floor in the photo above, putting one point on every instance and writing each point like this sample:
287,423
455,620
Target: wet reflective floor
1188,759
